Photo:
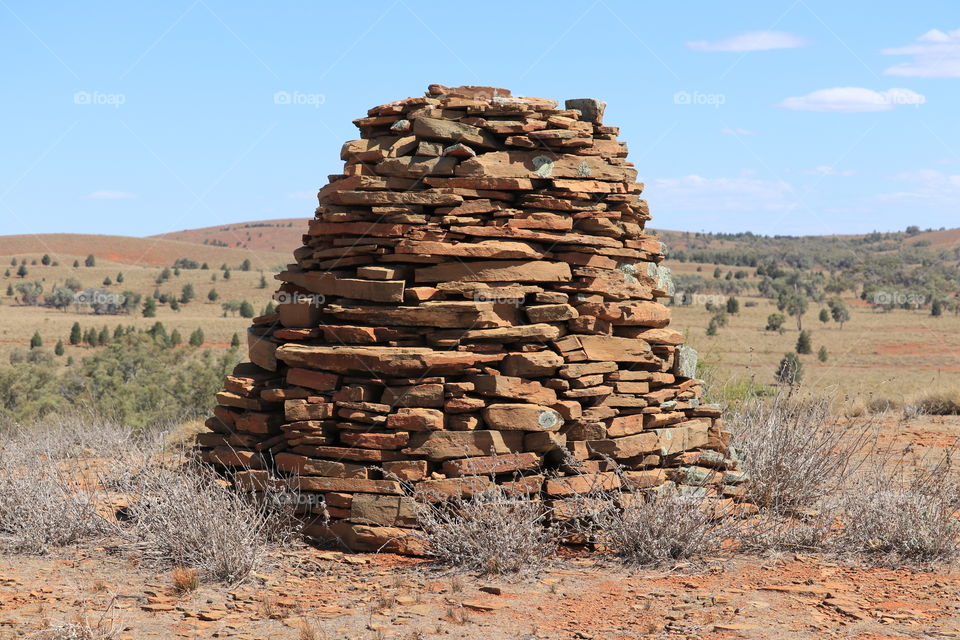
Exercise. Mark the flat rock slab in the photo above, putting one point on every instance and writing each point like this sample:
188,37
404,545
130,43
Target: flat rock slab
395,361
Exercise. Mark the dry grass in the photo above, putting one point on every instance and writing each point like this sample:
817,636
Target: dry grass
491,532
47,498
661,527
886,355
86,626
184,579
188,517
895,519
795,452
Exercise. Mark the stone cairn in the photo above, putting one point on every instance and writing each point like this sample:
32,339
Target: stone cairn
475,302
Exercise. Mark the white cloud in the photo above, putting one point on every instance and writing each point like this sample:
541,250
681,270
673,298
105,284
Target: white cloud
751,41
109,195
853,100
928,187
696,193
826,170
736,131
936,55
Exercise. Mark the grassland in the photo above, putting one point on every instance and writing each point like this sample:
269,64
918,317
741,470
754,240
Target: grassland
877,354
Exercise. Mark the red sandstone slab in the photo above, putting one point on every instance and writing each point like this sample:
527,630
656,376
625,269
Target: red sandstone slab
396,361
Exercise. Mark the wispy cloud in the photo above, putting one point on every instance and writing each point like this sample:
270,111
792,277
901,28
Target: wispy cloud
936,54
751,41
736,131
109,195
699,194
928,187
853,100
827,170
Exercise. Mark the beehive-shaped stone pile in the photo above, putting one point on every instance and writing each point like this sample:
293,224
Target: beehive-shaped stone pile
475,302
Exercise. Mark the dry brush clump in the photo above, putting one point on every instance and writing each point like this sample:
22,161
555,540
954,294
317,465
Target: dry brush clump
892,518
491,532
795,452
61,483
187,516
661,527
48,497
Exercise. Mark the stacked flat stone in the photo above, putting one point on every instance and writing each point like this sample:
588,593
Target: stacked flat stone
475,302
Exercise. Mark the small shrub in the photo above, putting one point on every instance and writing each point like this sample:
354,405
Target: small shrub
939,403
804,343
185,580
661,527
188,519
894,521
491,532
790,370
795,452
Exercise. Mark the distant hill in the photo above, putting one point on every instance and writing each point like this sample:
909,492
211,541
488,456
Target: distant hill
267,235
158,251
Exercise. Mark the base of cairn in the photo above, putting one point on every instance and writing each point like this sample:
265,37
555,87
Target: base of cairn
475,303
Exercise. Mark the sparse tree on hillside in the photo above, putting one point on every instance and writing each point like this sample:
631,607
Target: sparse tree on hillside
13,262
226,274
245,265
107,281
187,293
175,339
795,304
269,309
936,308
22,271
60,298
197,338
231,306
824,316
790,369
59,349
263,281
775,322
120,278
150,308
103,337
212,295
838,311
717,273
246,310
804,344
90,337
76,264
235,341
9,290
822,354
76,334
36,341
45,260
91,261
733,305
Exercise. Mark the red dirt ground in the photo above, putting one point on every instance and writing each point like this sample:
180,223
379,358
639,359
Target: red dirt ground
315,594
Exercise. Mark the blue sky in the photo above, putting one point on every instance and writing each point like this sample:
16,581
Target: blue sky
805,117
